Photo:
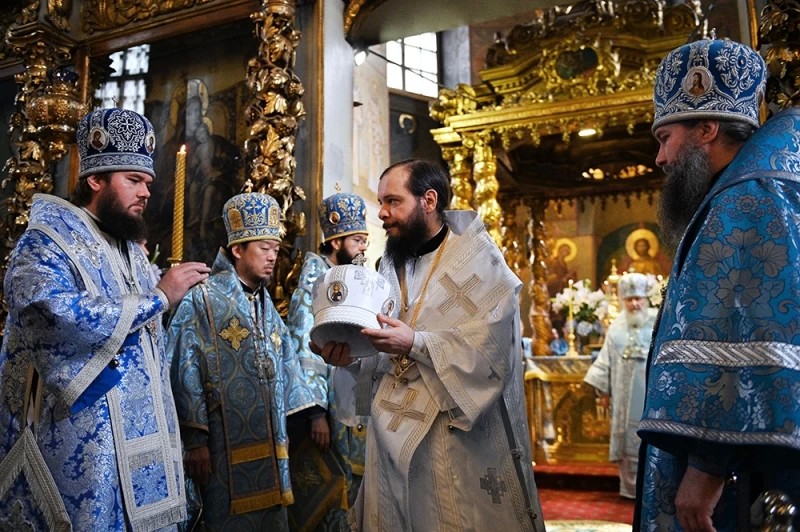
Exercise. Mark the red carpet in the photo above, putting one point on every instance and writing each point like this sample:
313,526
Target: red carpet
582,491
600,505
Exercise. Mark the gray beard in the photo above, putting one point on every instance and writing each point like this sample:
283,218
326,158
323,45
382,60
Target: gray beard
635,319
687,183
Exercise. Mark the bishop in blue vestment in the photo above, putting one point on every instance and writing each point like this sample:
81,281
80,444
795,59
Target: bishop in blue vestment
722,411
88,428
342,218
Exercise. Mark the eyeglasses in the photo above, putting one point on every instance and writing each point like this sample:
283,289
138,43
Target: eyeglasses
359,240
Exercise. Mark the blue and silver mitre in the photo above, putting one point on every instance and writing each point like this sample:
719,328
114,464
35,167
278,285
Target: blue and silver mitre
342,214
715,79
115,140
252,216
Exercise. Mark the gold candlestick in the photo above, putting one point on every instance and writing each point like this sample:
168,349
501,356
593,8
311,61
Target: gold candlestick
571,352
177,215
613,294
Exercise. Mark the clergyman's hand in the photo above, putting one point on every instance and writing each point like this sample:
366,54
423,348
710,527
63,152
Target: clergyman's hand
396,338
333,353
178,279
696,499
321,432
198,464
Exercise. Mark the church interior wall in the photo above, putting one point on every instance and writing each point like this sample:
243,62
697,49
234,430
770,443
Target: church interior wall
410,128
338,143
455,56
337,120
598,230
371,152
324,64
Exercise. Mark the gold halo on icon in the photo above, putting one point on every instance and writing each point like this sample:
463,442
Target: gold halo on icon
639,234
573,248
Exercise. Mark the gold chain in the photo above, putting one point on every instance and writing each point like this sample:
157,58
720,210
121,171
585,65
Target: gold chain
404,362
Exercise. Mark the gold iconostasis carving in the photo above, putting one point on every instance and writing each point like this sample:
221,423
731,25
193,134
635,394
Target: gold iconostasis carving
558,130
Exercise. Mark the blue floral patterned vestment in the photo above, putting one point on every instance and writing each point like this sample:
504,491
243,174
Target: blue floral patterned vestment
235,376
88,429
724,372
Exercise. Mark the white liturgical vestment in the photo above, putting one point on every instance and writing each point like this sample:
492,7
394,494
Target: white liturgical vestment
448,446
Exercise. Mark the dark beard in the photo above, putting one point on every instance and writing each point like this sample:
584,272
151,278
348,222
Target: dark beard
116,221
343,257
414,234
687,183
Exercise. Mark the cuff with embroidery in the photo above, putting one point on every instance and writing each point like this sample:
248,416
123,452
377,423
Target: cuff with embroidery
162,296
419,351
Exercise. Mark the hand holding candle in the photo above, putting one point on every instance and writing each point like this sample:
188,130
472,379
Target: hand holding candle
177,216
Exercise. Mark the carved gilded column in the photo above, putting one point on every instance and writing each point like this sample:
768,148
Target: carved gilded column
484,169
272,118
47,109
510,245
780,20
540,297
460,177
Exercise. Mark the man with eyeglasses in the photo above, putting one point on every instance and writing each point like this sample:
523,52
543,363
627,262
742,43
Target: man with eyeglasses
342,218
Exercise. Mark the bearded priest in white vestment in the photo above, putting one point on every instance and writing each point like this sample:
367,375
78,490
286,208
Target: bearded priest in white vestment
448,446
619,373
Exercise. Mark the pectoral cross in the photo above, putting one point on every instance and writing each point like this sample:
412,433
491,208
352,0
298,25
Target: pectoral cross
276,339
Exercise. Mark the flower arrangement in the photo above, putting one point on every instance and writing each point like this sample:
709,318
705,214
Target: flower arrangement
589,307
655,286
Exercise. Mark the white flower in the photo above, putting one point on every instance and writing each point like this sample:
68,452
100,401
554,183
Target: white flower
654,289
589,307
584,328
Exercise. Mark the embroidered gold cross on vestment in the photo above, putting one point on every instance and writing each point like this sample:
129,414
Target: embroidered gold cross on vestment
276,339
234,333
402,410
458,294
